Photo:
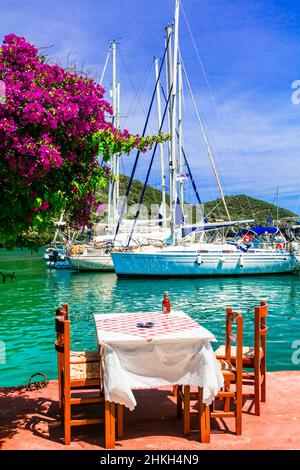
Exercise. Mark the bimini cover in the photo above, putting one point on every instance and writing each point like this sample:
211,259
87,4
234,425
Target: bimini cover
259,230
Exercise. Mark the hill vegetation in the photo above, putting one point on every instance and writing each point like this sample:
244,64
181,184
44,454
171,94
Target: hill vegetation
244,207
240,206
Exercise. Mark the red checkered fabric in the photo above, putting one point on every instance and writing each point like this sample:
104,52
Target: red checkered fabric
163,324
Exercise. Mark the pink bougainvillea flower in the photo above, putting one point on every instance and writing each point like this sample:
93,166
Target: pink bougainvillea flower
48,122
44,206
100,209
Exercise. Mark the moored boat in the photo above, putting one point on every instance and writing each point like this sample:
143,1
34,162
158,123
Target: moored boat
197,260
92,259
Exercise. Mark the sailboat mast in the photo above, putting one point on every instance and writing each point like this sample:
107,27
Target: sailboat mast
180,159
115,162
169,75
118,156
173,162
161,147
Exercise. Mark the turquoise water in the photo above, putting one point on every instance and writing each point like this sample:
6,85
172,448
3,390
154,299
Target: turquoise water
28,305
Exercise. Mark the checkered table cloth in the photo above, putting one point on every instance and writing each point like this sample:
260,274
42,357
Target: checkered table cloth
126,324
175,351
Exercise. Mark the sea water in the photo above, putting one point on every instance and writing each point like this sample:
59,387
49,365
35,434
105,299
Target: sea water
28,303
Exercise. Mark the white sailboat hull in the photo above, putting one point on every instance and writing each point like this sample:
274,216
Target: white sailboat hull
100,263
196,264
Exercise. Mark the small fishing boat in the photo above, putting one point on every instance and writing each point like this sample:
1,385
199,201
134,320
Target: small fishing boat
96,256
91,259
56,258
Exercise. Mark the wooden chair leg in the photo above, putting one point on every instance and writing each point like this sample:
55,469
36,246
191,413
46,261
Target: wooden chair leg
67,417
61,402
179,401
264,383
175,390
257,379
110,425
59,385
186,410
120,421
227,399
204,418
238,414
107,425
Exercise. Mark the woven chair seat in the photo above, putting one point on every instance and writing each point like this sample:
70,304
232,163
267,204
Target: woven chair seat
79,357
85,371
226,365
248,352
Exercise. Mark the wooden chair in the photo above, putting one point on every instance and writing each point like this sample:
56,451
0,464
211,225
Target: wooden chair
78,376
231,394
76,357
254,358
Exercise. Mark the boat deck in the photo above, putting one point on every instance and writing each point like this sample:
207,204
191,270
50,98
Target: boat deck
29,421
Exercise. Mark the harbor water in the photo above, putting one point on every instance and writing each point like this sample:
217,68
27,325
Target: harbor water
28,306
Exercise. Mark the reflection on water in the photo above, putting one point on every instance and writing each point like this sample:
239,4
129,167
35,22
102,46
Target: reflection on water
28,305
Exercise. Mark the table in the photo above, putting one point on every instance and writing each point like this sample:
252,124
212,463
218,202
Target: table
175,351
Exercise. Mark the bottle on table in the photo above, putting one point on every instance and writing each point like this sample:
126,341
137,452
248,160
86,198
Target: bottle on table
166,303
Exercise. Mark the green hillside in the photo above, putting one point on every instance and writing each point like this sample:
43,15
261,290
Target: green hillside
243,207
240,206
152,195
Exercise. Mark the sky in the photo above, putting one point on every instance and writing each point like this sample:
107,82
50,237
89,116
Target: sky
250,54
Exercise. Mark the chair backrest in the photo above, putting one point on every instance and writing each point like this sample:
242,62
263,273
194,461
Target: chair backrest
62,345
234,318
260,328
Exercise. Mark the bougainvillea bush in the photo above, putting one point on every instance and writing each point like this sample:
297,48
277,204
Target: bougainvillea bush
53,125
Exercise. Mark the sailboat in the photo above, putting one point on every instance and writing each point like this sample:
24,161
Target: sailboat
96,256
183,257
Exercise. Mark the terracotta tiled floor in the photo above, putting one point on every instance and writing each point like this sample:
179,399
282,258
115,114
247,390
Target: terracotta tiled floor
29,421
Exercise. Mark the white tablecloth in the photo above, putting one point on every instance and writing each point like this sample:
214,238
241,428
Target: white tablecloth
175,351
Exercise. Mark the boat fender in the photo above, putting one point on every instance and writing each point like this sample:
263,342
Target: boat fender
199,260
241,261
77,250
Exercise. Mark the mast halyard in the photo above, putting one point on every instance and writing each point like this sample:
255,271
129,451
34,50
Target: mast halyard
207,145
